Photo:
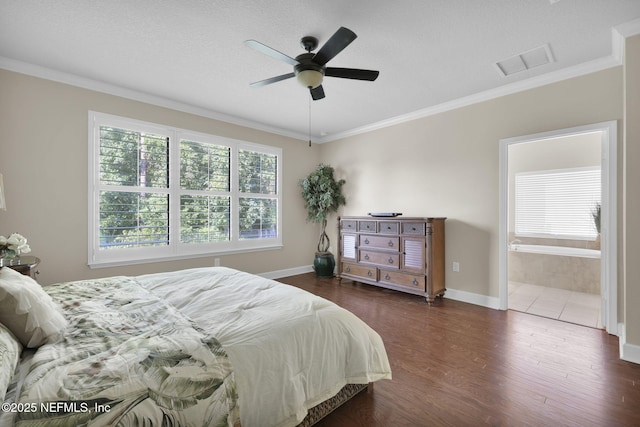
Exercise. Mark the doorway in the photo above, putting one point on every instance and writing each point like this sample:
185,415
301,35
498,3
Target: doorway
606,132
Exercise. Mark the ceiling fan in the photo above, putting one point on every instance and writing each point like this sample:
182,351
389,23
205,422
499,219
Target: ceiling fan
310,68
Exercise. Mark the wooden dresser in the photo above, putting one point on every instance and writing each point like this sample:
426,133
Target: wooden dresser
405,254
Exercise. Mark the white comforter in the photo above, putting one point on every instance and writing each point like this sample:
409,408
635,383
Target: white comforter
290,350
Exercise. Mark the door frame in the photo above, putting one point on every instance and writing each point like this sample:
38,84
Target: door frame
609,215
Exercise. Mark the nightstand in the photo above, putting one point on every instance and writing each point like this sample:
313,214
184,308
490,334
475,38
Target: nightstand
27,265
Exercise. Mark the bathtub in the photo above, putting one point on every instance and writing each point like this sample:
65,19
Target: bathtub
555,250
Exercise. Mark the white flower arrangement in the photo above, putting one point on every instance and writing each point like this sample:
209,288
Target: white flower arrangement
13,245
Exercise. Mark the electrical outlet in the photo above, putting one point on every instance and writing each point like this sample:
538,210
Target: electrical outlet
456,266
216,262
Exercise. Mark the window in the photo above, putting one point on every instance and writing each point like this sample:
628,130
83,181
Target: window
158,192
557,204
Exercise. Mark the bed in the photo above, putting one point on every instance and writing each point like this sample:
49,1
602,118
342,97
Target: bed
209,346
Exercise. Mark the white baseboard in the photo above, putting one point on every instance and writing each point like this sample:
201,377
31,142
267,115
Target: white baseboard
286,272
454,294
471,298
628,352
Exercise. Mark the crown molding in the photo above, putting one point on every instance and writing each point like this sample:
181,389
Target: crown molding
628,29
618,36
110,89
508,89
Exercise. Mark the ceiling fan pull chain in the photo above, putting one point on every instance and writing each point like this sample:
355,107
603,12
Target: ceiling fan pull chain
309,121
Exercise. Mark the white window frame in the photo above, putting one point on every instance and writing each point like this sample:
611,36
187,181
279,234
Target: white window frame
519,232
175,250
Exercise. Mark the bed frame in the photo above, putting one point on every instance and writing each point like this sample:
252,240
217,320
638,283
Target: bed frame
323,409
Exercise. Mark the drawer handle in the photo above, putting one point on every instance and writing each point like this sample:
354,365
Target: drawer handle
366,257
390,260
413,228
390,243
387,277
415,282
369,273
366,241
348,269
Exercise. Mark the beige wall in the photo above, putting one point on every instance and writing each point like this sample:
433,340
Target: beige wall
44,157
447,165
631,197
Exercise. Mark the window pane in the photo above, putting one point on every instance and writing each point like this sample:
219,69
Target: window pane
132,158
258,218
257,172
204,166
133,219
204,219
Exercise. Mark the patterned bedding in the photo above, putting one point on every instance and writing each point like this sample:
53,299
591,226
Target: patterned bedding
128,358
198,347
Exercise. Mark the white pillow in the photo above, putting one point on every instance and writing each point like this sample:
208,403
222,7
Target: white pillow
27,310
10,350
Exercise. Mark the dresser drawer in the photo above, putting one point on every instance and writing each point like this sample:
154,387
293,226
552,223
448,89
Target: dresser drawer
414,228
380,258
388,227
348,224
403,279
358,270
370,226
381,242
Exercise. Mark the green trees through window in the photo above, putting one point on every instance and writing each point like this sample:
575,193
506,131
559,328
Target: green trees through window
205,183
133,160
173,190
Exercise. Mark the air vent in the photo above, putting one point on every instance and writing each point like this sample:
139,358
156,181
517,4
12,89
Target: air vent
525,61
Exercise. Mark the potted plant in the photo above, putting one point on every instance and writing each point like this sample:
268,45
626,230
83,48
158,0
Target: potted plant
322,195
595,214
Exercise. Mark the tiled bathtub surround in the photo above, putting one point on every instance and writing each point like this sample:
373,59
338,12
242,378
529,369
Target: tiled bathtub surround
570,273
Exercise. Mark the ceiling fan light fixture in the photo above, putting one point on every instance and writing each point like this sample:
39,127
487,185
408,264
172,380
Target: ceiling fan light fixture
310,78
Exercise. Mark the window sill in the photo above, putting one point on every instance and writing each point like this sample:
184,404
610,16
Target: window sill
156,259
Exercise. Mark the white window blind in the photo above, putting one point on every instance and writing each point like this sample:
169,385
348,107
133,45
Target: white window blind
133,198
158,192
205,192
557,203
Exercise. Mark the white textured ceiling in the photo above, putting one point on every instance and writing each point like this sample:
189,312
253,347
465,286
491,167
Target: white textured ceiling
189,54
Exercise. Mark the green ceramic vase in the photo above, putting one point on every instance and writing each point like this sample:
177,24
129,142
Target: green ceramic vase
324,264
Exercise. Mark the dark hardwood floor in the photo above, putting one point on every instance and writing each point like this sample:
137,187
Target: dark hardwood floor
457,364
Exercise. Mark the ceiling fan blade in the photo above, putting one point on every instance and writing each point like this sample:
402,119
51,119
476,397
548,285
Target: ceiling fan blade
263,48
272,80
351,73
317,93
338,41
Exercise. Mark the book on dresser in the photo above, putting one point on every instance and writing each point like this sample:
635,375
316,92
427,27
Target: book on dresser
405,254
